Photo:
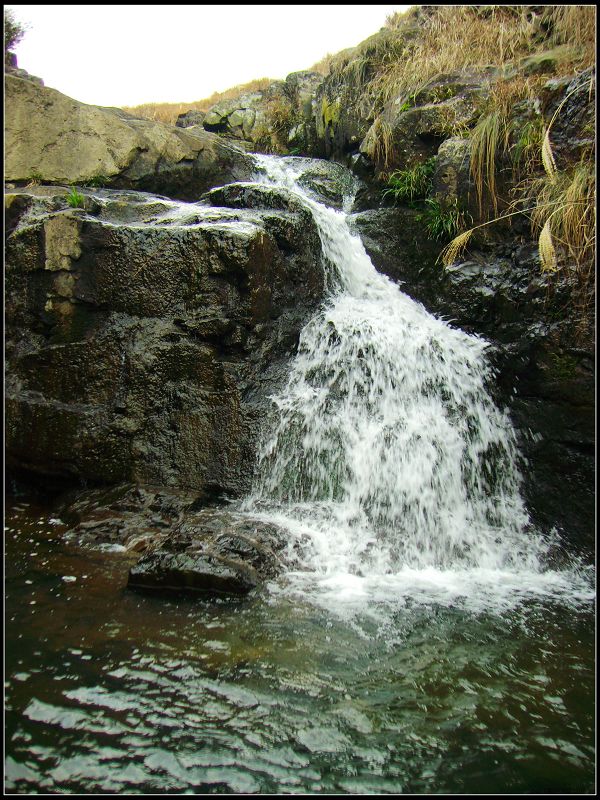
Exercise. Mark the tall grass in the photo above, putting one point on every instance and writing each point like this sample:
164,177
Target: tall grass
450,39
491,138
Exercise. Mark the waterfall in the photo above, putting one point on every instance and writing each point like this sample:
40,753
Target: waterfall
387,457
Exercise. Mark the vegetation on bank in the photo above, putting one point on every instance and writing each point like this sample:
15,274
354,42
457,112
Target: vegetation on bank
513,164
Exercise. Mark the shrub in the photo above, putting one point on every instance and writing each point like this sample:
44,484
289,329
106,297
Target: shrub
444,220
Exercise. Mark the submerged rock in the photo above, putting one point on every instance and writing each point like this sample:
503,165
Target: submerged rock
182,546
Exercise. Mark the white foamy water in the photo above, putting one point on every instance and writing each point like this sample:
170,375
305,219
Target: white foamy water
387,460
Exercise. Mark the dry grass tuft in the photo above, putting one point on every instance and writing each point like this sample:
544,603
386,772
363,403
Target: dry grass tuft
455,38
571,197
323,66
547,250
453,251
576,26
383,146
490,139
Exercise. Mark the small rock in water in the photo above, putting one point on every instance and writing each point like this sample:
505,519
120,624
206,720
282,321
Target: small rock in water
69,578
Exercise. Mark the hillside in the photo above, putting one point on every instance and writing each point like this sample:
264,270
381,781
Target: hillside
469,112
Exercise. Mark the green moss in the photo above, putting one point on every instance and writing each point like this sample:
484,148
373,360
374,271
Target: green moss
330,112
562,367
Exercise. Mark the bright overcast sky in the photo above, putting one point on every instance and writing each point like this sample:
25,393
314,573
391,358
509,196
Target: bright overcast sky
127,55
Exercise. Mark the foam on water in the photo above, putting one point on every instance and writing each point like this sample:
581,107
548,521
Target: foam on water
387,460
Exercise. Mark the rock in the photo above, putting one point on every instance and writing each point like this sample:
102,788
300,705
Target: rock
342,118
413,134
16,72
396,241
145,336
547,61
573,132
190,118
212,551
451,177
302,88
208,574
273,119
325,181
218,120
328,182
75,143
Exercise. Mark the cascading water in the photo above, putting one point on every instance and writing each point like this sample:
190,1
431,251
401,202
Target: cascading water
387,460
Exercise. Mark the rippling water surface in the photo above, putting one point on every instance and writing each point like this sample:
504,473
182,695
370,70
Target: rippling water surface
112,691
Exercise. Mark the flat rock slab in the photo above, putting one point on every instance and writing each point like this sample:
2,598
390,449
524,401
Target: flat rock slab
189,572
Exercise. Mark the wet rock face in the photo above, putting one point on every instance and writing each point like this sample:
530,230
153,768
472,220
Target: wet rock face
144,336
325,181
181,546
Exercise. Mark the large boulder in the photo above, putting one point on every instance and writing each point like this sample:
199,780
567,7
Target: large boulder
324,181
53,139
190,118
412,131
237,117
144,336
213,551
278,118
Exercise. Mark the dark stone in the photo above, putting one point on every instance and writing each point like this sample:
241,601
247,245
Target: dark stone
395,240
187,572
213,551
143,345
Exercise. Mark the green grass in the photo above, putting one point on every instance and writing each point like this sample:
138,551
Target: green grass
444,220
75,199
411,184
